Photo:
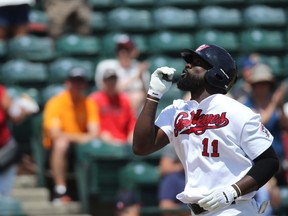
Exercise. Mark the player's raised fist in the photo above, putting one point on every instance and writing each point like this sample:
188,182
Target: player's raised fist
161,81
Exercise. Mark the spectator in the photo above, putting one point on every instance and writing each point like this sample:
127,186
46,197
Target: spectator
269,192
242,87
127,204
117,117
269,104
15,110
133,76
14,18
64,14
69,118
172,173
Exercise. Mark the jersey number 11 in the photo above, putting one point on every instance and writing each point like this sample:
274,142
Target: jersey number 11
214,144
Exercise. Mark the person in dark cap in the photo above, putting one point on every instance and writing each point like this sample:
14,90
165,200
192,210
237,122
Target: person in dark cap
133,75
68,118
127,204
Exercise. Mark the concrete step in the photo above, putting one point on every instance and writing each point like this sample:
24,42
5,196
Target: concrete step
25,181
47,208
30,194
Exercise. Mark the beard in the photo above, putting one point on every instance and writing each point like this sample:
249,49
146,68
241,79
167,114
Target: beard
191,83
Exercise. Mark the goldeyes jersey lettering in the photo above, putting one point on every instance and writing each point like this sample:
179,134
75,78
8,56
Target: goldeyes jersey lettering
198,123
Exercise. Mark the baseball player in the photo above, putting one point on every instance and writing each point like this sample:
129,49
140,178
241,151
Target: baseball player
225,150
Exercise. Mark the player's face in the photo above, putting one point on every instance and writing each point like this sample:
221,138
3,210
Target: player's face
192,77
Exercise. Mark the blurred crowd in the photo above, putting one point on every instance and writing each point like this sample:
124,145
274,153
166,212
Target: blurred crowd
108,113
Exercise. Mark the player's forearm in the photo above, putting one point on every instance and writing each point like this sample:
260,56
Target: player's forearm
144,132
257,176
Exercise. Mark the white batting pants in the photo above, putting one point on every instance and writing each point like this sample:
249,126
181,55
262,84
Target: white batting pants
240,208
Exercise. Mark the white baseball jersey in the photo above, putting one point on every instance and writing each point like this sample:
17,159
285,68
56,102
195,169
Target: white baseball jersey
216,141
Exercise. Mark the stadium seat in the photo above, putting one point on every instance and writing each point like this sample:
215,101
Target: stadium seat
19,71
225,39
98,21
97,166
178,2
3,48
136,173
263,15
10,207
262,39
141,3
38,21
211,16
59,68
141,177
38,151
124,18
162,60
75,45
168,41
32,48
173,18
217,2
274,62
49,91
109,41
102,3
15,91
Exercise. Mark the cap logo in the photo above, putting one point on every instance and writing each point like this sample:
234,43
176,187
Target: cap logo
204,46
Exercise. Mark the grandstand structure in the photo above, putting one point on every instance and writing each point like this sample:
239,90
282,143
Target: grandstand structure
37,65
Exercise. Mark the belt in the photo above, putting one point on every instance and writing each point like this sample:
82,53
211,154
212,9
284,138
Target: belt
197,209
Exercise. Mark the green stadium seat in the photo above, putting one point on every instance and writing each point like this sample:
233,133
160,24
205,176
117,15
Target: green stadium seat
124,18
263,15
102,3
19,71
49,91
59,68
225,39
109,43
75,45
136,173
178,2
141,3
173,17
38,151
162,60
10,207
31,47
211,16
169,41
217,2
141,177
274,62
38,21
97,166
262,40
3,48
98,21
15,91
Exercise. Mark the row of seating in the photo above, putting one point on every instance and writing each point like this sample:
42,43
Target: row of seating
141,19
37,48
114,3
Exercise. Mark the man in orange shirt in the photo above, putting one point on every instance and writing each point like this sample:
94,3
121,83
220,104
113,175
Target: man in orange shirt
69,117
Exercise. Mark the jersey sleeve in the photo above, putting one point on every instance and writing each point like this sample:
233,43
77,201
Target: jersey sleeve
165,120
255,138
